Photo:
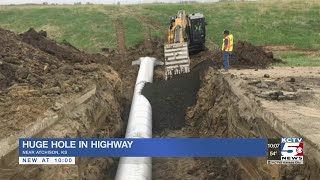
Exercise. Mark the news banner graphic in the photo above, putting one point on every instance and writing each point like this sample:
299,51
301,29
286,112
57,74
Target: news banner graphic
285,151
65,150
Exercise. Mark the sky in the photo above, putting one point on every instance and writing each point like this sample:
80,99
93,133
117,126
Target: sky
94,1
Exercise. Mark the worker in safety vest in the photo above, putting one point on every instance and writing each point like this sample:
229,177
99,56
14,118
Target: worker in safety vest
227,47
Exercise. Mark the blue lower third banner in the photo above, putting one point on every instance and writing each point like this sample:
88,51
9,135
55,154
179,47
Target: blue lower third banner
153,147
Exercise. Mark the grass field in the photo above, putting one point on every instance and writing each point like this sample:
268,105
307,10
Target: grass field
91,27
299,59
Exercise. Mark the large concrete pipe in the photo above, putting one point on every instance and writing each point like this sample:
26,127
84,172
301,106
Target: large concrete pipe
139,125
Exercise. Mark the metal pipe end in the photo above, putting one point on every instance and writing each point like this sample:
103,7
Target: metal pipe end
136,62
156,62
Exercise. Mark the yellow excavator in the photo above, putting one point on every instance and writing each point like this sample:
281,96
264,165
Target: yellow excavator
187,33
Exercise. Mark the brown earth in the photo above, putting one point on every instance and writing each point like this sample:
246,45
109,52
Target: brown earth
236,105
64,51
39,76
293,95
169,99
36,73
245,55
204,105
120,36
31,76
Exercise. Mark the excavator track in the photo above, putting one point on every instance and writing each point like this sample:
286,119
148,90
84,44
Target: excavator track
177,59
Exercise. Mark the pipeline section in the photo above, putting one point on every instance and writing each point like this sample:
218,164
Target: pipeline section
139,124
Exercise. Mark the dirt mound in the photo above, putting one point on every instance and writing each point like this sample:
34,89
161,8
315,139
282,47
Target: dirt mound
21,63
63,51
39,76
245,55
169,99
32,80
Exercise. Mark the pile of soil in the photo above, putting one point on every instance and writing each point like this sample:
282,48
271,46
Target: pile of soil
38,75
32,80
64,51
15,57
245,55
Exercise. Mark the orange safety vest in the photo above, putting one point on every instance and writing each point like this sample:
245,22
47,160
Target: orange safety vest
229,48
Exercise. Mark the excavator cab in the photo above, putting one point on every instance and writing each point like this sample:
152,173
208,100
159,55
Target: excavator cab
197,32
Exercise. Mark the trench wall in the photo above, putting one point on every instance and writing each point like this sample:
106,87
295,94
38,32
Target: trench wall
225,110
93,114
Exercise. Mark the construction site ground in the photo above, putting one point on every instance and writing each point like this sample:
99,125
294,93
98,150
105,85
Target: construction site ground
291,93
51,89
286,99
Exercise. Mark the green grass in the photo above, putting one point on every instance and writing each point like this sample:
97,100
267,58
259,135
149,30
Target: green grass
133,30
298,59
90,27
87,30
293,24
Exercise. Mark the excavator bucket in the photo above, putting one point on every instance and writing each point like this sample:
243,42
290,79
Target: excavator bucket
177,59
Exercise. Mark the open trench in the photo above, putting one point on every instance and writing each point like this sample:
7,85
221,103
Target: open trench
203,103
196,105
207,104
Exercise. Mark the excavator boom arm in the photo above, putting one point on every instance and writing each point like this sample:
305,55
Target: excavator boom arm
176,52
185,33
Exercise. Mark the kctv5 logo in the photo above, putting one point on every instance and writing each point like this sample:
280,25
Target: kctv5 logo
292,149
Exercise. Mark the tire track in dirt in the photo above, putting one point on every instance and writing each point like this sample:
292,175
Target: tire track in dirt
148,27
147,37
120,35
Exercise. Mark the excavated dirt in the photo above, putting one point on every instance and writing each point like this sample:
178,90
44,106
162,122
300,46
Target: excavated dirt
120,36
206,105
64,51
226,108
170,99
39,76
245,55
36,73
33,80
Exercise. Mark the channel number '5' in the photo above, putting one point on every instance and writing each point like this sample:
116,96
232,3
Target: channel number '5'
291,149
